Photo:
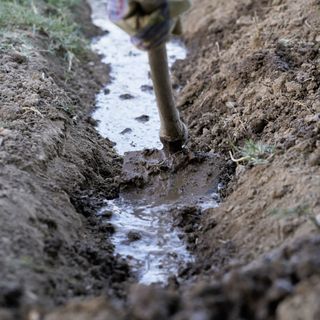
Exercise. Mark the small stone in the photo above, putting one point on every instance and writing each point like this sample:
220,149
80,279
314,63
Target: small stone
231,104
134,236
126,131
143,119
106,214
107,228
245,21
126,96
146,88
106,91
92,121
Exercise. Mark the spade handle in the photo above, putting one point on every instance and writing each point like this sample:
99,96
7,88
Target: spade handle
173,132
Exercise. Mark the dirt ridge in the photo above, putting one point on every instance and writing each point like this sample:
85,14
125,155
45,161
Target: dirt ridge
55,171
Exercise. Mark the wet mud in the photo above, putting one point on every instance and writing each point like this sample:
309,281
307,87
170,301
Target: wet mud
251,72
54,169
154,187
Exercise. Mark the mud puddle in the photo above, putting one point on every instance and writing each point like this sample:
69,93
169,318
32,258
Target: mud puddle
154,185
154,189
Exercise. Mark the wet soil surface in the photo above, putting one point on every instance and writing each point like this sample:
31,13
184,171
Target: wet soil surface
252,72
55,171
160,200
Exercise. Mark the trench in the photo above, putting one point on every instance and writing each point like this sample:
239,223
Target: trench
145,232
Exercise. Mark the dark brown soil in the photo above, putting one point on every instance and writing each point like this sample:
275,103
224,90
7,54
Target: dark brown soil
55,171
252,73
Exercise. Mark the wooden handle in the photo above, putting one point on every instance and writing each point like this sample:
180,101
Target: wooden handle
173,130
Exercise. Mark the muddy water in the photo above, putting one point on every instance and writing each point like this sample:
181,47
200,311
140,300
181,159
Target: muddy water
145,216
144,234
127,114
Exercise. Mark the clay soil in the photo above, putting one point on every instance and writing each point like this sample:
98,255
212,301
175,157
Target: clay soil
252,72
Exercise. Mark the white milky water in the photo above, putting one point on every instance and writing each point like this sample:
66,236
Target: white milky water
160,251
127,115
129,95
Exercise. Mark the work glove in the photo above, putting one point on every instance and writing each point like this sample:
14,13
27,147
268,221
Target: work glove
148,22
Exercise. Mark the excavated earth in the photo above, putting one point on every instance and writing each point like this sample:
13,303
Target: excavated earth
252,72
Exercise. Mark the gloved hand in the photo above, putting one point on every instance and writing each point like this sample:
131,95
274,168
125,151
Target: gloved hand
148,22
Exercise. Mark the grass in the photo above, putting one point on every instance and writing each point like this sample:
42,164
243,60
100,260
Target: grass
254,153
29,15
13,41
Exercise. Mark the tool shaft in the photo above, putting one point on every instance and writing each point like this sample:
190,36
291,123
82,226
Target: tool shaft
172,128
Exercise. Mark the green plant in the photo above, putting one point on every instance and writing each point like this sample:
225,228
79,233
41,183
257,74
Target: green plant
254,153
59,28
14,41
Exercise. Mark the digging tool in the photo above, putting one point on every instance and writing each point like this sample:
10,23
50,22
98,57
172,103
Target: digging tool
149,23
173,132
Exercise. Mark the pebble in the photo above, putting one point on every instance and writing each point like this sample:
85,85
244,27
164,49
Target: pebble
146,88
106,214
126,130
126,96
144,118
134,236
